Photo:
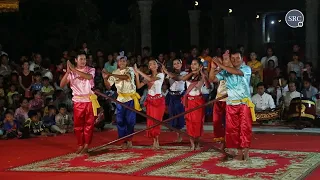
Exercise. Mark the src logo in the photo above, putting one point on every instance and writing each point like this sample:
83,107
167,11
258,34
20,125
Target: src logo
294,18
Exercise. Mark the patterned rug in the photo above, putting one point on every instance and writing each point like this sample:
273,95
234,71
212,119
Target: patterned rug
179,162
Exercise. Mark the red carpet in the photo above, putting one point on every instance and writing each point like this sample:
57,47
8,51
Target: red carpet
173,161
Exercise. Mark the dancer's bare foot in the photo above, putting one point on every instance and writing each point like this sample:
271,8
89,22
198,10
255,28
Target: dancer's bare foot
179,138
129,144
124,146
245,154
79,149
85,149
239,155
192,146
198,146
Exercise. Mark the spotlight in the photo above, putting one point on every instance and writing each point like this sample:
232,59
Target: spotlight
196,3
257,16
230,11
272,22
279,20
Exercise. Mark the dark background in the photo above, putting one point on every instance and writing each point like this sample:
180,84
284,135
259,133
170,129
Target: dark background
50,27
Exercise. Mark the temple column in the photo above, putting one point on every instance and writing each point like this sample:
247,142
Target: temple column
263,27
145,7
312,31
194,16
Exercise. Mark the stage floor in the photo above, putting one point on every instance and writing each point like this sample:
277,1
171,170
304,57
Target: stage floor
273,156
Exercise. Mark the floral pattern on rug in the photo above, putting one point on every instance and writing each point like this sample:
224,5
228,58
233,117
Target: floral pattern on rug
114,160
179,162
263,164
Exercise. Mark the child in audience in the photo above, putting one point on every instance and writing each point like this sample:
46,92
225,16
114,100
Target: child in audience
12,91
37,102
49,120
11,127
47,103
64,119
16,101
47,90
2,94
33,126
37,85
21,113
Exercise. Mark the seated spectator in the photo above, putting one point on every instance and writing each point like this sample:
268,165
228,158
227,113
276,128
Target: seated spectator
46,70
37,84
49,121
62,98
47,90
274,86
5,69
308,73
12,91
269,73
269,56
33,126
308,90
37,102
16,98
291,94
26,79
256,69
64,119
295,65
11,127
262,100
48,102
293,78
21,114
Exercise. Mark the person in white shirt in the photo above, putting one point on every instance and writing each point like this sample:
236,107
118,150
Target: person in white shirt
270,56
155,102
262,100
176,90
36,65
291,94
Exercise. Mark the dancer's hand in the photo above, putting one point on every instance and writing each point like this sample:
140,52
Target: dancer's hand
105,74
70,66
136,69
164,69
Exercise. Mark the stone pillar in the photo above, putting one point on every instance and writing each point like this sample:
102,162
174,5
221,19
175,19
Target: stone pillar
312,31
263,27
229,31
145,7
194,16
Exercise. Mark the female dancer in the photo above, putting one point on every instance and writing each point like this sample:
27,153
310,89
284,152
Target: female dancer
193,98
155,102
176,90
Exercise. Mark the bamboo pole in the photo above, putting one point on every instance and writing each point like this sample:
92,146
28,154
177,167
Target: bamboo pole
164,122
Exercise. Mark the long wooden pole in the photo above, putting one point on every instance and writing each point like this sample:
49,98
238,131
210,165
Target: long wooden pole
149,117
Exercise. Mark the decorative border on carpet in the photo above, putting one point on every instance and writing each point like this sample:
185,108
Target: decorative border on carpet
114,160
263,164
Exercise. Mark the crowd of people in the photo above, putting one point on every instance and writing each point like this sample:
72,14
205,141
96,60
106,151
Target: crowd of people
34,98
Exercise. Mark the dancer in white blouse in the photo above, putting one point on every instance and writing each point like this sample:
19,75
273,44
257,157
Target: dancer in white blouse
155,102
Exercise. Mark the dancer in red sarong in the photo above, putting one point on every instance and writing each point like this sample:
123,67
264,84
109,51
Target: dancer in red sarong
85,104
155,102
239,109
193,98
